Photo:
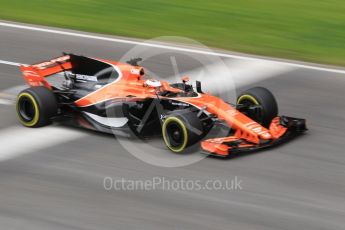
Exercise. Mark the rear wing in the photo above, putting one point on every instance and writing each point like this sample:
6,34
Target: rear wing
35,74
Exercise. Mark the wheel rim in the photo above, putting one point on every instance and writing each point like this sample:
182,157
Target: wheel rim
175,134
26,109
249,100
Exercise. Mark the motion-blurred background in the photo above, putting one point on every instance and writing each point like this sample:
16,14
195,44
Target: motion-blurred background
308,30
52,177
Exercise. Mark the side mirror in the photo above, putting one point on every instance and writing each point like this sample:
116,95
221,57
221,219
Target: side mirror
198,87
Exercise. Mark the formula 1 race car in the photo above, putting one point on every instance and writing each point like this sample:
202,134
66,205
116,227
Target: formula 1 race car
110,96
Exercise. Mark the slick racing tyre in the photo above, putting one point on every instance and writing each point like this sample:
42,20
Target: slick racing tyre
264,99
181,130
36,106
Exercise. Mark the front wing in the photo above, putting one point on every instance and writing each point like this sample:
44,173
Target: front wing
234,146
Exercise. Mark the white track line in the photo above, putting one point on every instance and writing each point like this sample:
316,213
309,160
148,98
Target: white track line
245,73
232,75
20,140
170,47
9,95
5,102
9,63
240,73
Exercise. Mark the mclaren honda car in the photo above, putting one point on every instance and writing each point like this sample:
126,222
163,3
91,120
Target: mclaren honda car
110,96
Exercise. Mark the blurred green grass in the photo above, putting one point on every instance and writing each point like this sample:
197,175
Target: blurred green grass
307,30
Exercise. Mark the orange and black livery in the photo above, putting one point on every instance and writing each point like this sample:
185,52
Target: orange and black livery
111,96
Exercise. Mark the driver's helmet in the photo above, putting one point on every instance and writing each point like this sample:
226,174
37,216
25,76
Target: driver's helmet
153,83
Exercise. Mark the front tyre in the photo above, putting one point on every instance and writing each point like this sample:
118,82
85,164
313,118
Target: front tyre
36,106
263,98
181,131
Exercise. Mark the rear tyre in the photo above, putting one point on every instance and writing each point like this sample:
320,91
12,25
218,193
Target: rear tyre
181,131
36,106
262,98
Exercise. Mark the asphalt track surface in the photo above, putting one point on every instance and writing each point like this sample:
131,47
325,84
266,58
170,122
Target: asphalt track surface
299,185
